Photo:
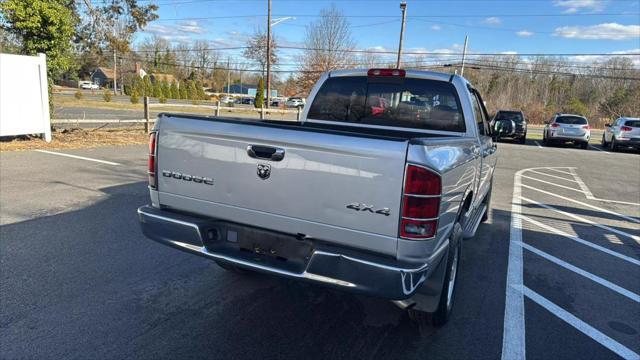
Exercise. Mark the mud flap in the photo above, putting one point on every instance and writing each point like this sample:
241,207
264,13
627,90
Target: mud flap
428,295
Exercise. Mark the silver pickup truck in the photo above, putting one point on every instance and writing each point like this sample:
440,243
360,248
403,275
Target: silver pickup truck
372,191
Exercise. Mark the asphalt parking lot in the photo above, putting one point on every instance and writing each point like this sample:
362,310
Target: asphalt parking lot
554,274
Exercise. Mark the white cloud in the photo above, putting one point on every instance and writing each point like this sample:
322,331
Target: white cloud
524,33
509,52
606,31
436,27
573,6
492,20
602,58
191,27
180,32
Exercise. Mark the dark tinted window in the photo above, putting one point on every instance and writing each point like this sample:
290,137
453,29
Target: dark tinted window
509,115
400,102
572,120
632,123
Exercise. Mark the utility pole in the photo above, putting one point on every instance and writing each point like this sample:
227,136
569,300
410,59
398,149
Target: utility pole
403,6
115,73
268,53
228,76
464,54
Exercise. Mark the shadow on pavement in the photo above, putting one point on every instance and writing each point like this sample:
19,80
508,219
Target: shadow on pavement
86,283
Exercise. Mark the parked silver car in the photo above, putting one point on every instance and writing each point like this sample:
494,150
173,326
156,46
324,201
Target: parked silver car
563,128
623,133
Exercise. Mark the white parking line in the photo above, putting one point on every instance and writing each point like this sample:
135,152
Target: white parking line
537,143
593,147
78,157
580,325
584,204
581,241
558,170
513,336
611,286
553,176
554,184
580,218
589,194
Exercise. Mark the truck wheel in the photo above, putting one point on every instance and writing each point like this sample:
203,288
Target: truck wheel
232,268
445,304
584,145
487,202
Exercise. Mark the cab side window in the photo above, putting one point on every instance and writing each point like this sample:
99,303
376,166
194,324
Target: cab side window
481,120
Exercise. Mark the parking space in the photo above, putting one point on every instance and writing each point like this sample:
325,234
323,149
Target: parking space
576,257
555,273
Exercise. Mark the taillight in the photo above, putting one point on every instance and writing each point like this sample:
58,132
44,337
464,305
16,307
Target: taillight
626,128
153,181
586,127
420,203
555,125
386,72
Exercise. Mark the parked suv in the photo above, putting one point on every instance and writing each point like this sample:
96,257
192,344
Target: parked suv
295,102
563,128
624,132
510,124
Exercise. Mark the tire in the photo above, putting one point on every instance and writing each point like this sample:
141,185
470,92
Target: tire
612,145
545,142
523,139
584,145
604,142
487,202
445,304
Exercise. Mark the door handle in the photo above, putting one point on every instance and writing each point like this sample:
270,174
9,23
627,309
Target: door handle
265,152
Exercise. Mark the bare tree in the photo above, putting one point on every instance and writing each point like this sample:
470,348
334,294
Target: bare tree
257,49
328,45
204,58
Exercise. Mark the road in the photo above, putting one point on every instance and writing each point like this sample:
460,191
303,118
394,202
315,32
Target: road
79,280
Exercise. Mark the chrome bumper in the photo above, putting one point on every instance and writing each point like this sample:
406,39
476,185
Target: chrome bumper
360,273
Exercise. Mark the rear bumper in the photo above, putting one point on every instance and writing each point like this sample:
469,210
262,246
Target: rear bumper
327,265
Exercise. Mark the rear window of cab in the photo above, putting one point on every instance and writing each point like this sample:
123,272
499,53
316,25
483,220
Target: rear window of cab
389,101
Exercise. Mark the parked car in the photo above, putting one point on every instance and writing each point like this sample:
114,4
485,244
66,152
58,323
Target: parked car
623,133
563,128
295,102
370,203
247,101
88,85
510,124
227,100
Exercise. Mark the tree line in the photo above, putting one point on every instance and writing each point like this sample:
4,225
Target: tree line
163,90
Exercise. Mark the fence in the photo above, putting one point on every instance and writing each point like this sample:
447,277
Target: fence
147,120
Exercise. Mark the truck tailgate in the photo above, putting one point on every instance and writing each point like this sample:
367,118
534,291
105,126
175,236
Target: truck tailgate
307,192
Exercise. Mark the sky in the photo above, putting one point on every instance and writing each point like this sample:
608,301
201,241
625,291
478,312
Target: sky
497,26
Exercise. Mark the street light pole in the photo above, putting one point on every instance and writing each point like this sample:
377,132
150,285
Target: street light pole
403,6
464,55
268,54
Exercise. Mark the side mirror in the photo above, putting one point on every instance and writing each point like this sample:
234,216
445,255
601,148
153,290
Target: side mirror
546,123
607,125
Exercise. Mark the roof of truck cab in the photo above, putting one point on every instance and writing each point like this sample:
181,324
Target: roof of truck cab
418,74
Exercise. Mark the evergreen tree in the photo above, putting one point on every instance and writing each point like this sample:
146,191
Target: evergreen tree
184,94
166,90
157,89
191,90
200,90
175,93
147,88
